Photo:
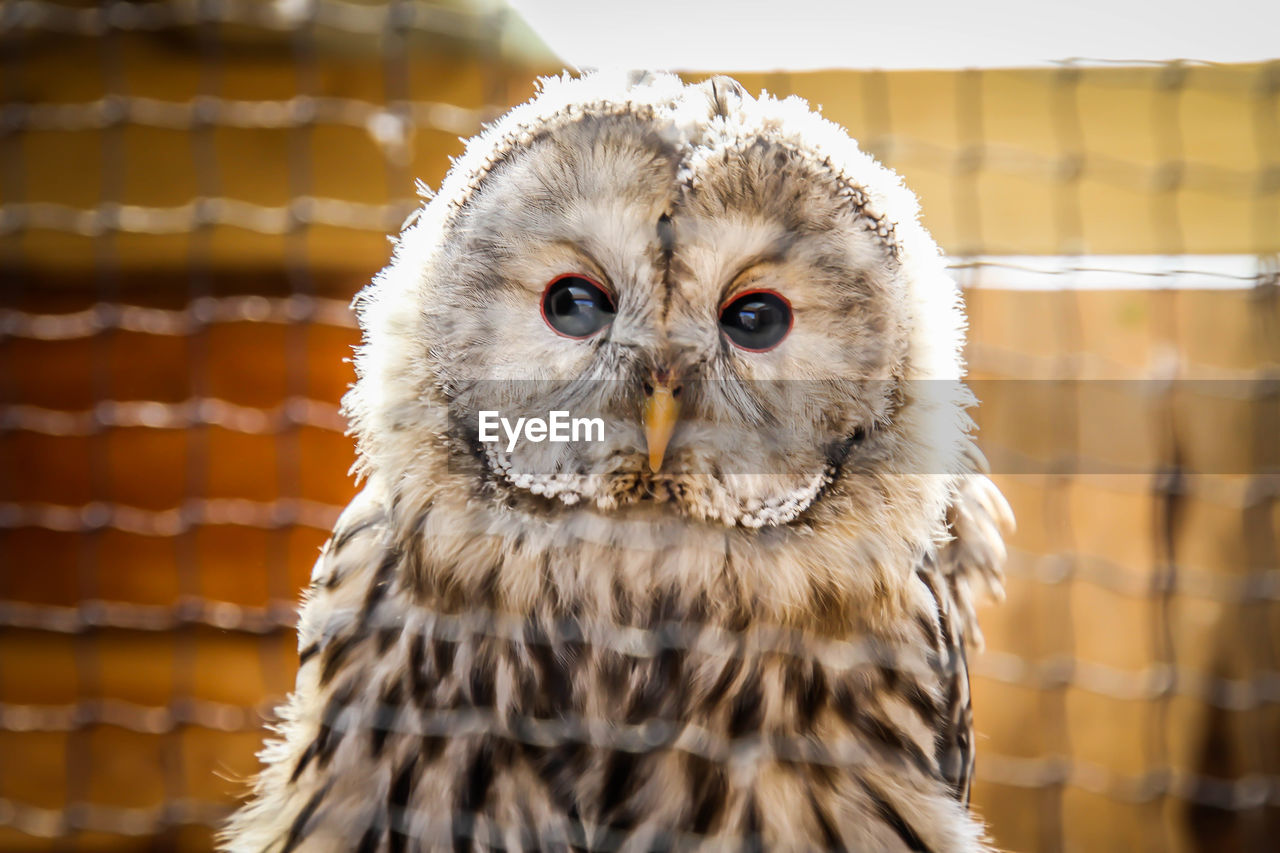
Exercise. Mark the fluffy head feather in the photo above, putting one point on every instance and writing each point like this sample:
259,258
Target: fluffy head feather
844,442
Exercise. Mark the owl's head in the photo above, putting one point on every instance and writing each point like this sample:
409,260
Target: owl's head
743,299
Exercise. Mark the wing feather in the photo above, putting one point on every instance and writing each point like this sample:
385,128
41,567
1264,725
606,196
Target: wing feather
970,566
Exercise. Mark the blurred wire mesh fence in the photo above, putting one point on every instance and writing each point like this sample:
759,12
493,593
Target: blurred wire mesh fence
190,193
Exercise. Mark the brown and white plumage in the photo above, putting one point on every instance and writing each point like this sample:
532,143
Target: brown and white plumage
759,642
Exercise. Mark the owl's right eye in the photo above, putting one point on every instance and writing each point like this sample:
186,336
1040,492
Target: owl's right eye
576,307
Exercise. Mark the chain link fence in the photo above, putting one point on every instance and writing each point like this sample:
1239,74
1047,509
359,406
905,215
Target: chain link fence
191,192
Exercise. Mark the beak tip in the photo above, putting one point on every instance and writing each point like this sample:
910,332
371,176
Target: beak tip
660,412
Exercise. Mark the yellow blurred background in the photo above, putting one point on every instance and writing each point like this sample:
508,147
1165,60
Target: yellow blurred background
190,193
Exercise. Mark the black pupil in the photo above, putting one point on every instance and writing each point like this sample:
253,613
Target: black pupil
577,307
756,320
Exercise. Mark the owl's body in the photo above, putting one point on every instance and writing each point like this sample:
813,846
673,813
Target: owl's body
747,630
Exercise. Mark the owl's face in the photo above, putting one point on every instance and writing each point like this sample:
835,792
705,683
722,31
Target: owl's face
685,265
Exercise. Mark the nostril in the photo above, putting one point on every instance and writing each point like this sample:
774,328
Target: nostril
648,390
675,392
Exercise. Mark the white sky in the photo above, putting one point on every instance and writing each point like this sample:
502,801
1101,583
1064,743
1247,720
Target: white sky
741,35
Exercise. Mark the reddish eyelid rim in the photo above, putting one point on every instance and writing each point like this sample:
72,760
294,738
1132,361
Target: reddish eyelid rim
791,317
542,304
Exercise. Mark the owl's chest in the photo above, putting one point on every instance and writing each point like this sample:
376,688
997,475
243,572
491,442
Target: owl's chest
668,728
550,730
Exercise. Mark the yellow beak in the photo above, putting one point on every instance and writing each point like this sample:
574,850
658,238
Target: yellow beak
660,412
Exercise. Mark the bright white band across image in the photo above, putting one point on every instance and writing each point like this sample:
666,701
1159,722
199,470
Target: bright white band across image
1113,272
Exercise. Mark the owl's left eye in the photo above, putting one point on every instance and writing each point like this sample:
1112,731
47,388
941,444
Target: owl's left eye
757,320
576,307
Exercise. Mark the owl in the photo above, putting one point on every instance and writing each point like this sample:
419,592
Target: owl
733,609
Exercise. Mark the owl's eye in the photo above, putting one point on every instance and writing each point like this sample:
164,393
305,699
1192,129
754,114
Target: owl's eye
576,307
757,320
